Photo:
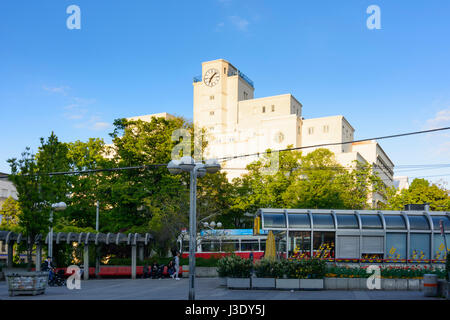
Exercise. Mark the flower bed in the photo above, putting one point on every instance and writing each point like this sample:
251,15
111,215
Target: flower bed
387,272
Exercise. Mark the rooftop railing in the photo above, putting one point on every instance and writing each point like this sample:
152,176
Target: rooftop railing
230,73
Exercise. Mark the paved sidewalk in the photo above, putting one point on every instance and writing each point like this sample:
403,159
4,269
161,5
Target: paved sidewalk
206,289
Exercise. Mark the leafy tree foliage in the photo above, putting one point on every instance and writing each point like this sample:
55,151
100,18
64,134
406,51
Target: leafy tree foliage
419,192
152,200
10,212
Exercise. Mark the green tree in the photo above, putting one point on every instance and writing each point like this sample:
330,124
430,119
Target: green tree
86,189
419,192
315,180
36,189
10,212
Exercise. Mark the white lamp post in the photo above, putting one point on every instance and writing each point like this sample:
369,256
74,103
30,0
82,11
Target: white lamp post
60,206
196,169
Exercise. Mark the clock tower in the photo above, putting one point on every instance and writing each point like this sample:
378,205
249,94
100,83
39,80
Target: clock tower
216,95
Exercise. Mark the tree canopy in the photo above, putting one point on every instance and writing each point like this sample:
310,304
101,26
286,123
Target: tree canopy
420,191
150,199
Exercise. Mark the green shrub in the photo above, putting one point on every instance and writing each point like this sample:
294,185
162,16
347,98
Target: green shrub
300,269
234,266
266,268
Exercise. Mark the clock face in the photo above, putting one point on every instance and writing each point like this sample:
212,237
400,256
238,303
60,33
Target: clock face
212,77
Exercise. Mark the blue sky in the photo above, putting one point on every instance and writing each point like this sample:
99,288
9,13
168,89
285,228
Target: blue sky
138,57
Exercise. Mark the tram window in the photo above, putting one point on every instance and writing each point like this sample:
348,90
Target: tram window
230,245
419,246
439,246
210,246
185,247
395,222
436,220
262,244
418,223
347,221
323,244
396,245
323,221
371,221
299,220
249,245
274,220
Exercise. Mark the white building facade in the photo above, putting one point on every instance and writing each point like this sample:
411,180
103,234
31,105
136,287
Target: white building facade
239,124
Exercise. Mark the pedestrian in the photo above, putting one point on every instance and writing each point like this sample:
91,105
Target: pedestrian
252,259
47,265
177,265
171,269
154,270
252,256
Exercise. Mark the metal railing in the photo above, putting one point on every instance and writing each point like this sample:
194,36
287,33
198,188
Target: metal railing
232,72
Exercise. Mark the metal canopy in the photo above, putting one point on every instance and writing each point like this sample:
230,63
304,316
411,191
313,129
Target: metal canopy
81,238
275,219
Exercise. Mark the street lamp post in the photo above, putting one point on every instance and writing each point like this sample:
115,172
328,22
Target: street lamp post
60,206
196,169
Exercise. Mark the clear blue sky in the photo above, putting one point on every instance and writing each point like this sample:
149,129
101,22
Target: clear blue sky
138,57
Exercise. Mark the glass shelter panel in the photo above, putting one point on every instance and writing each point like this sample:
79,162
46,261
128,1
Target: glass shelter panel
419,246
347,221
418,223
395,246
274,220
300,244
395,222
323,221
436,220
323,244
297,220
371,221
439,246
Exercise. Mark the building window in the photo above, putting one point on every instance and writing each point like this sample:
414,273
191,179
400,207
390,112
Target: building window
326,129
245,95
211,113
264,109
224,70
273,108
311,130
211,97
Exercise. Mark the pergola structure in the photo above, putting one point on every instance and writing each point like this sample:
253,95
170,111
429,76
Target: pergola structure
135,240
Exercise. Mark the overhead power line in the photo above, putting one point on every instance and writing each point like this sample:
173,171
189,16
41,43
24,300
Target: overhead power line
335,143
148,166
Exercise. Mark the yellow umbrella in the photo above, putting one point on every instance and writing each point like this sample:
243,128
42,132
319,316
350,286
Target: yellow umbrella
270,247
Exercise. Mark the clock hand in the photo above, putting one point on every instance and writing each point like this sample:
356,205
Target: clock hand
210,79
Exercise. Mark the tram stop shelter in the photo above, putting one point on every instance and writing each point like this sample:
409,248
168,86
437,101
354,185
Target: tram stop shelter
360,235
137,243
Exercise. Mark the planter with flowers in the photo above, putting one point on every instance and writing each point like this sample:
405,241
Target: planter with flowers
286,277
237,270
265,271
392,278
304,274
